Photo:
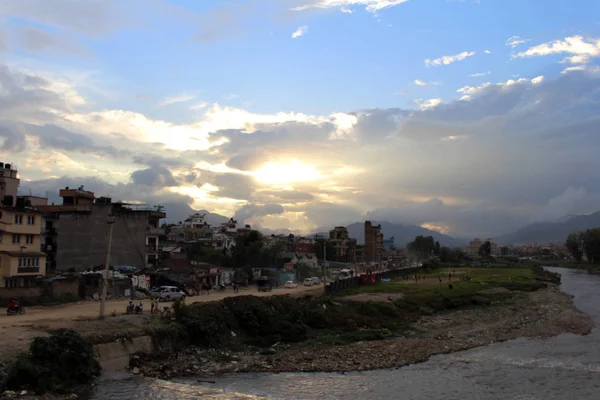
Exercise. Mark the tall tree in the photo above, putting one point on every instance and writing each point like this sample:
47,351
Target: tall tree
591,245
485,250
575,245
437,248
422,247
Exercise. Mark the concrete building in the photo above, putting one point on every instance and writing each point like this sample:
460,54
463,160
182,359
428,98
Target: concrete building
76,231
305,245
21,260
373,242
339,240
9,185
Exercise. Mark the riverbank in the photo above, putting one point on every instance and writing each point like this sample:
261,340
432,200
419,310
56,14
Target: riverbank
410,335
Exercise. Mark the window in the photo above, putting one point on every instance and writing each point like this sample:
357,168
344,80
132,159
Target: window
31,220
16,239
37,261
18,219
29,239
21,261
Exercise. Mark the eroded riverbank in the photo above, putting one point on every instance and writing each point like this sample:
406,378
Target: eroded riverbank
540,314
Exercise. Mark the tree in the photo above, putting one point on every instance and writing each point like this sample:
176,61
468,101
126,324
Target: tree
575,245
422,247
437,249
485,250
504,250
591,245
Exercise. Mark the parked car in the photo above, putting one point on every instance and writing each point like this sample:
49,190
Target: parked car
167,293
291,285
308,282
316,281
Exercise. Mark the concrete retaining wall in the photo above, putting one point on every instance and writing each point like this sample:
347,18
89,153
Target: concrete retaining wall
114,356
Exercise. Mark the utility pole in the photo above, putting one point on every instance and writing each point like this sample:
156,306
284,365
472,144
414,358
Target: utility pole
110,221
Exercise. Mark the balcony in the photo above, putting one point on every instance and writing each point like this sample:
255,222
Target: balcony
155,231
28,270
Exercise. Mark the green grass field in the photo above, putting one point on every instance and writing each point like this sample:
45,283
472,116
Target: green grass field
481,279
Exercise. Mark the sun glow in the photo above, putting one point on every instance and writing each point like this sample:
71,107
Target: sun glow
281,174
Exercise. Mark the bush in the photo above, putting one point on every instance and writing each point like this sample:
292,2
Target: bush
55,363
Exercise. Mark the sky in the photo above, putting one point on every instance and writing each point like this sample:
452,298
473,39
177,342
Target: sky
472,117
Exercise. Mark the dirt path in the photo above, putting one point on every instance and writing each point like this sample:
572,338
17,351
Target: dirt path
18,330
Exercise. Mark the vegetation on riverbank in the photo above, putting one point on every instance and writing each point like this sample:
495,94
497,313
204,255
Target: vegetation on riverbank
244,326
57,363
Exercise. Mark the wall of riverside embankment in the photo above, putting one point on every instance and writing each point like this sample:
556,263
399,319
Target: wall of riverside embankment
114,356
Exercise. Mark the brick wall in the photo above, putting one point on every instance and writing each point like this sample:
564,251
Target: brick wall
65,286
8,293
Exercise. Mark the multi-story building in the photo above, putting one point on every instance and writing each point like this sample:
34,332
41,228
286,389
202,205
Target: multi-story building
305,245
21,260
339,240
77,231
373,242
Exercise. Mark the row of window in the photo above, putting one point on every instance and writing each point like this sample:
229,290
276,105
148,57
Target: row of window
29,262
19,219
16,239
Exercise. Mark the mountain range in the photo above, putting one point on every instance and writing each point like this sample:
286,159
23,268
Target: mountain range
548,232
541,233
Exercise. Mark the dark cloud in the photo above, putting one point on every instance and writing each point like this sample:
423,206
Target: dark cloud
56,137
26,98
13,139
244,213
158,177
234,186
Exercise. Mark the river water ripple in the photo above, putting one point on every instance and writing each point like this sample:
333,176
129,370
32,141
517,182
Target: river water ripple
563,367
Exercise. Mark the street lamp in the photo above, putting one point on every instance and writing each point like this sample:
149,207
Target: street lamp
110,220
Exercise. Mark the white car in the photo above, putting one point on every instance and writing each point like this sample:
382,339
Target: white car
308,282
316,281
167,293
291,285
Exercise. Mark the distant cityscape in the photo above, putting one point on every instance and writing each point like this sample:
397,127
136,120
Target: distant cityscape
41,240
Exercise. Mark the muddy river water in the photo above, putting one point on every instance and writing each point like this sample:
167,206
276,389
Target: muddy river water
563,367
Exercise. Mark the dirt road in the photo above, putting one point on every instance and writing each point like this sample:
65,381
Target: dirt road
90,309
18,330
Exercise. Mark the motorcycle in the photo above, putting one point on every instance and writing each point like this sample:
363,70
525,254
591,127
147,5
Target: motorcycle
15,310
134,309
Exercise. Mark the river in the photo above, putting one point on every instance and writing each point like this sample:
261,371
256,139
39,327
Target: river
563,367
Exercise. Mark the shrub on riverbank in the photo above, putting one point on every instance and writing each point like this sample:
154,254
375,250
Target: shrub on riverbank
56,363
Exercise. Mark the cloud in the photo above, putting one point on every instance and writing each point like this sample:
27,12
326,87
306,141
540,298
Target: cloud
490,162
183,98
300,32
370,5
515,41
582,48
571,202
425,104
478,74
38,40
447,60
244,213
419,82
487,52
